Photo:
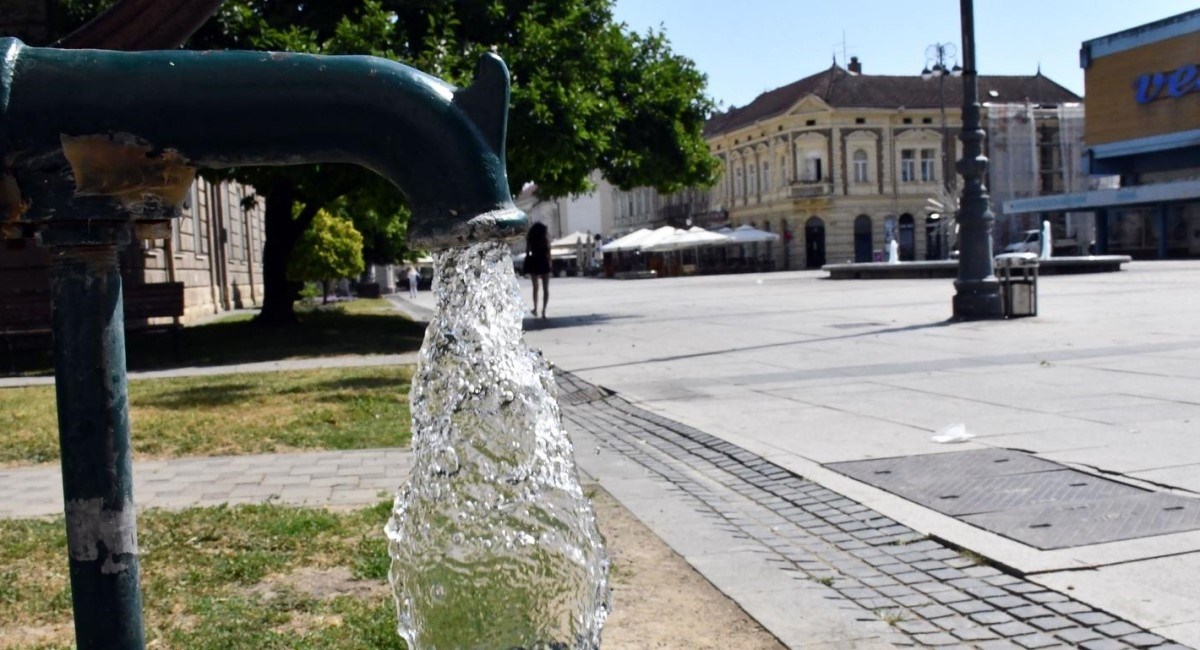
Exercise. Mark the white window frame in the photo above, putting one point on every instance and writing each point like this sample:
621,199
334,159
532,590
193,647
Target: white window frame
862,165
928,165
908,165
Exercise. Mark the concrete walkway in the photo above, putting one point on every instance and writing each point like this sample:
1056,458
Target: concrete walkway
741,394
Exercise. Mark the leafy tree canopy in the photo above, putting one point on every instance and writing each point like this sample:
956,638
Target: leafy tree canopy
330,248
586,94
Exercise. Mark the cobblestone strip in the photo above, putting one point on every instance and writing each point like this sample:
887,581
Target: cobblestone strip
934,595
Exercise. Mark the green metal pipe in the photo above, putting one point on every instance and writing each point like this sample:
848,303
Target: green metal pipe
93,417
442,146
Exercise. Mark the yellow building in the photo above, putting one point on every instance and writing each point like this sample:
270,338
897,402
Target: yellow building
841,162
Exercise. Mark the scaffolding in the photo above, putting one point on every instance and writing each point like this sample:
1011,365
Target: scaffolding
1013,171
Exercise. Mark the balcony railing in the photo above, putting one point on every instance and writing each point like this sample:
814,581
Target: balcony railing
809,189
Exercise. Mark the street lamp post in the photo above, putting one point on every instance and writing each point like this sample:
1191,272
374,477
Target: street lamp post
977,291
936,58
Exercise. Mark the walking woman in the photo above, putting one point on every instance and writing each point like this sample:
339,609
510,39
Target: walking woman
537,263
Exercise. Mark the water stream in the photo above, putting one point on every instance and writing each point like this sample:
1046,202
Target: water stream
493,543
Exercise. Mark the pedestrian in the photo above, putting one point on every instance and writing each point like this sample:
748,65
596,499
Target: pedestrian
414,277
537,263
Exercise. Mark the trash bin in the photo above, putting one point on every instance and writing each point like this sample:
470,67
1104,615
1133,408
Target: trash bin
1018,273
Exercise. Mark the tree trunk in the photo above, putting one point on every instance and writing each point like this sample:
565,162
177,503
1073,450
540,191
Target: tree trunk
282,231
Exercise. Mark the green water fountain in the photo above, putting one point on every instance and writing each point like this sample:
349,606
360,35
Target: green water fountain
98,148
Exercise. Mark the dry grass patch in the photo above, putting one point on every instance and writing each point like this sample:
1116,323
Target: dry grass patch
344,408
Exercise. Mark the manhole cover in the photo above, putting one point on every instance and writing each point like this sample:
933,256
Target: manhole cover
1034,501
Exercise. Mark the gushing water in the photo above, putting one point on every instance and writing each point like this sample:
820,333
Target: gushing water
493,544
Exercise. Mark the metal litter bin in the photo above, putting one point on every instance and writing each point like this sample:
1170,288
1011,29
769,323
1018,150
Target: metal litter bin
1018,275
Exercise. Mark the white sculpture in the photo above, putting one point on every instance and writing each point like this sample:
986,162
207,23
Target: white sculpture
1047,245
893,252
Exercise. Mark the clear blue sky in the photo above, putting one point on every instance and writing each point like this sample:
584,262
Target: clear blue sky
750,46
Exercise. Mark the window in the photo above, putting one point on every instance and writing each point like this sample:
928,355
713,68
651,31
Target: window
752,179
810,122
908,165
783,170
812,168
907,120
928,167
766,176
860,120
739,186
860,166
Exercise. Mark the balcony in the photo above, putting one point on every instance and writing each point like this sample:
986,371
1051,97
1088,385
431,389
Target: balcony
810,189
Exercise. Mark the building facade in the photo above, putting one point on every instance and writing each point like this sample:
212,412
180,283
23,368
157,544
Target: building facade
215,251
1147,137
840,162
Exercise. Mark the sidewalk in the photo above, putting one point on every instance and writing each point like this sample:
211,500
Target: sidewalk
721,412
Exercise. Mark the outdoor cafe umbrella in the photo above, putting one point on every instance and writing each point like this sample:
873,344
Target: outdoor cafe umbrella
573,239
748,234
681,239
629,242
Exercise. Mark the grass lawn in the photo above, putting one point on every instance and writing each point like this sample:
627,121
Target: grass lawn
361,326
343,408
254,577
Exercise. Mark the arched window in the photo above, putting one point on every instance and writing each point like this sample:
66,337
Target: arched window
739,185
765,175
860,166
752,179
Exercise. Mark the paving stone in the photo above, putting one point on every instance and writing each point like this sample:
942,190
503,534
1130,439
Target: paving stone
998,644
971,607
1091,618
1068,607
950,596
952,623
988,591
973,633
1103,644
1118,628
933,611
1050,623
1030,611
1047,597
1077,635
1035,641
1013,629
991,618
935,639
916,626
1143,640
915,600
1008,602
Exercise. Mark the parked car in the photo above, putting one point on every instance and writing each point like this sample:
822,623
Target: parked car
1031,242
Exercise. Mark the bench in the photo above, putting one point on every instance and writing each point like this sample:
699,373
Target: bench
25,315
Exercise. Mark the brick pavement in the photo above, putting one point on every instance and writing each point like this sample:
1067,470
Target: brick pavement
933,594
871,566
330,478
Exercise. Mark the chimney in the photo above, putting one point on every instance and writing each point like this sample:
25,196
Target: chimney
854,66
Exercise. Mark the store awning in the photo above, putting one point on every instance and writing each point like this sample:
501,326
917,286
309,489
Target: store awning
1097,199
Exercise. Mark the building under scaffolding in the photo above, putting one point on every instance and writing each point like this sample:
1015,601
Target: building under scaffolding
1143,149
1037,151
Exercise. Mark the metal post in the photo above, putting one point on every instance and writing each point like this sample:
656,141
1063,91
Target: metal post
977,291
93,425
1164,221
1101,232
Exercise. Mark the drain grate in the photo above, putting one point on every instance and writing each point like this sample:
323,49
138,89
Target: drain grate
1033,501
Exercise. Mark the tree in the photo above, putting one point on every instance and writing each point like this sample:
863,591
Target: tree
586,94
331,248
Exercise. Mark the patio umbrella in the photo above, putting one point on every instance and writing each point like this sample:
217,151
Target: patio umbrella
748,234
693,238
573,239
629,242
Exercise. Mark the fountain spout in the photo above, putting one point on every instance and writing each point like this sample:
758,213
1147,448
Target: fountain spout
117,136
